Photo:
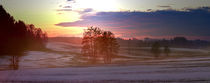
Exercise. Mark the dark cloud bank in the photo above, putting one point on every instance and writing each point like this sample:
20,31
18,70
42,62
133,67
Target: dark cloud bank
191,22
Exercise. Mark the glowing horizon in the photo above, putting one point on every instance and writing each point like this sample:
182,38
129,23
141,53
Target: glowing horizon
46,14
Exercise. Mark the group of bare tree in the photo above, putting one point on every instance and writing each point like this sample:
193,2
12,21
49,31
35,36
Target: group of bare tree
97,42
16,36
157,51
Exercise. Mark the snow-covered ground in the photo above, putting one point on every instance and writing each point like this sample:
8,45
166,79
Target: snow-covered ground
147,73
62,64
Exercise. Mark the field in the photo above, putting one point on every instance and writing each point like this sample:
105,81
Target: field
62,62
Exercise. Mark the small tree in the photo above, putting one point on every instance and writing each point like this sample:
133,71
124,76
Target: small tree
156,49
14,62
167,50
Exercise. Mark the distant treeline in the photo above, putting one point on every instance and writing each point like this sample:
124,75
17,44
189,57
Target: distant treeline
178,42
16,36
73,40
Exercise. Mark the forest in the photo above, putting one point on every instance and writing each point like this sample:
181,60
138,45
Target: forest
17,37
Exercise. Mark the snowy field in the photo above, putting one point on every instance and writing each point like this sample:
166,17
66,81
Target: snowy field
151,73
63,63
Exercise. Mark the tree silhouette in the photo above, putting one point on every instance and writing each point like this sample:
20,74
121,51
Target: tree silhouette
14,62
90,41
156,49
97,42
108,44
17,37
167,50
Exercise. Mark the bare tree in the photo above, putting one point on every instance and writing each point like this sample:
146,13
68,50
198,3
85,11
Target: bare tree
156,49
167,50
90,41
108,44
97,42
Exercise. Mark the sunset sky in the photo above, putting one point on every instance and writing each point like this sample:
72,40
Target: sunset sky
126,18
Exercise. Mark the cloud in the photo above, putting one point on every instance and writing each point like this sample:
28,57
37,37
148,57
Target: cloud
164,6
64,10
87,10
191,22
149,10
84,11
71,1
67,7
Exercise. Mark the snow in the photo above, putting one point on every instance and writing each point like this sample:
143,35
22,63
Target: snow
37,59
190,50
143,72
63,47
175,49
63,66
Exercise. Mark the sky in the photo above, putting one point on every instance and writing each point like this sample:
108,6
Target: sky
125,18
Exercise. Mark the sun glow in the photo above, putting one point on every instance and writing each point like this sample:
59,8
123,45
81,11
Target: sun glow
74,15
65,32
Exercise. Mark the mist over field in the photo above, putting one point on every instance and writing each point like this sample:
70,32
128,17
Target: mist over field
63,62
104,41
